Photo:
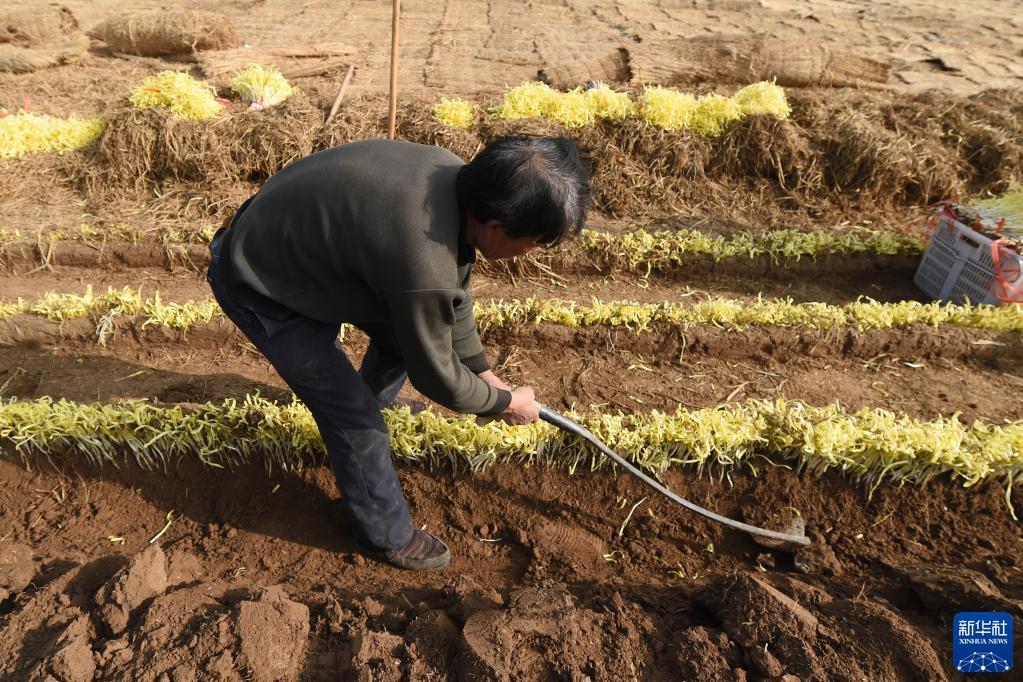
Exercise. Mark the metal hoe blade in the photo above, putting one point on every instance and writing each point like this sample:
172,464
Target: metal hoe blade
566,424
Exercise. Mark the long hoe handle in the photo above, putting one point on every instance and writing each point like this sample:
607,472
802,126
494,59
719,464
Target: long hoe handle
566,424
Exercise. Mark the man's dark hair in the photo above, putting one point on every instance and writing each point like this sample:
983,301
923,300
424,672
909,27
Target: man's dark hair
536,186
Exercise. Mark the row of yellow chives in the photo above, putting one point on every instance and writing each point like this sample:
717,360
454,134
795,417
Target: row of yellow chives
872,444
669,109
637,248
28,133
732,313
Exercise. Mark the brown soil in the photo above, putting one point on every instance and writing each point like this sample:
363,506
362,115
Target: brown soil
921,371
259,581
252,575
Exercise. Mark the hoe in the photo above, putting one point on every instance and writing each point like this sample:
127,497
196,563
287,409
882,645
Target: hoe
794,536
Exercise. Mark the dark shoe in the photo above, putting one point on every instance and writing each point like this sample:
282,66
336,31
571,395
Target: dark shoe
424,552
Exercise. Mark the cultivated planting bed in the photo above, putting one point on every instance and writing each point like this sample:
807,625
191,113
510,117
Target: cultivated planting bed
738,319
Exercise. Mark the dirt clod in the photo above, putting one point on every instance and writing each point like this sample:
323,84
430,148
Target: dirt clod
433,638
764,661
542,634
894,649
471,598
372,607
183,568
947,589
73,660
16,569
817,559
377,656
703,653
756,614
272,632
143,578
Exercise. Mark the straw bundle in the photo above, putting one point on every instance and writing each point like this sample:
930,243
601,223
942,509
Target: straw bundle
682,155
744,58
26,59
866,157
763,147
986,130
34,38
29,25
159,33
144,148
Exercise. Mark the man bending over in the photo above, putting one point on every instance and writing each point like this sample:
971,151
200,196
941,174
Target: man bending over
383,235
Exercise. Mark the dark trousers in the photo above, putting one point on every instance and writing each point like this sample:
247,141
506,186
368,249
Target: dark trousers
345,404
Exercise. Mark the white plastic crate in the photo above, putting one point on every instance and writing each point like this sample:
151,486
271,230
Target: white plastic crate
958,265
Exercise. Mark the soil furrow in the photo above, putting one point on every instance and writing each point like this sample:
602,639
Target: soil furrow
921,371
569,265
761,343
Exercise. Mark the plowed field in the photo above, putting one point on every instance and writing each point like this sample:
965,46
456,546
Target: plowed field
186,571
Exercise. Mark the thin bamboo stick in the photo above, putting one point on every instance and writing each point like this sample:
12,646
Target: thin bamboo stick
393,110
340,94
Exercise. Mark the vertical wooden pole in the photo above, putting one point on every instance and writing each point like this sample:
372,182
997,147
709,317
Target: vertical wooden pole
393,110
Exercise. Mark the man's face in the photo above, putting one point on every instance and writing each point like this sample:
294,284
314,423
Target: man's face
495,243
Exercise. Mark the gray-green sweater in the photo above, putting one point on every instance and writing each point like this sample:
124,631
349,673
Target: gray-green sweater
370,232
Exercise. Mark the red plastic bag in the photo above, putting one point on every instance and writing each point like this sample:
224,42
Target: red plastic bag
1008,283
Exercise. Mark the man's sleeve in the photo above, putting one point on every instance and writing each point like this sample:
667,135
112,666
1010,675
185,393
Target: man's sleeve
425,323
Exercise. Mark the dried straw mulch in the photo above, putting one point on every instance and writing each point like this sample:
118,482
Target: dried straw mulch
144,149
837,152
